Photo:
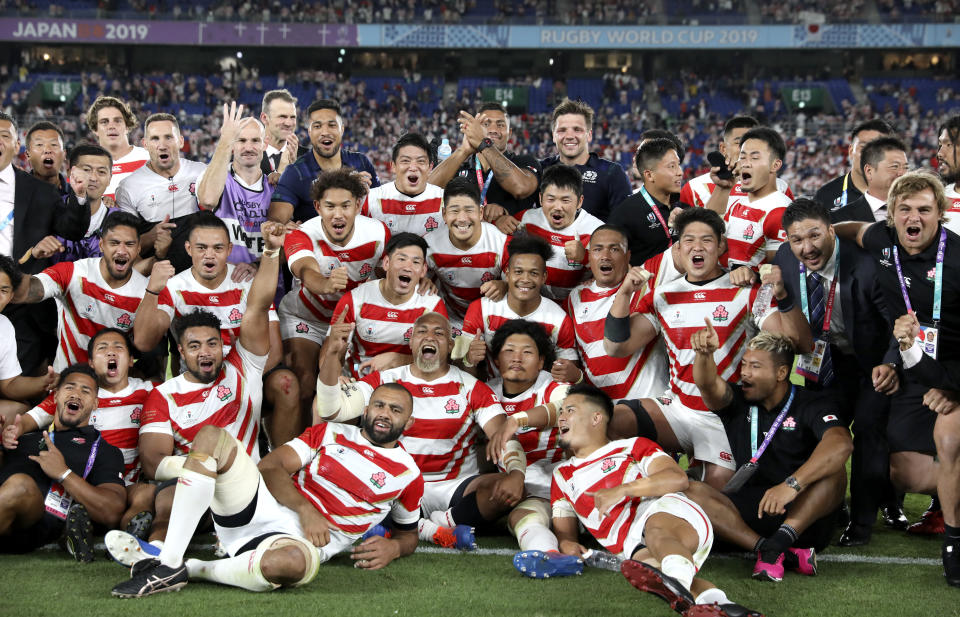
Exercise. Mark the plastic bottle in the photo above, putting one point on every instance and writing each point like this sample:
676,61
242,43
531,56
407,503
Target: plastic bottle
604,560
444,150
762,303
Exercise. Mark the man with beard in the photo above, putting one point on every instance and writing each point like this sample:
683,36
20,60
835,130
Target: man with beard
679,418
882,161
164,191
629,495
292,200
849,187
117,417
298,510
93,293
111,121
328,255
62,479
235,188
604,183
918,276
450,407
278,114
948,165
216,390
783,504
506,181
408,203
210,284
45,153
385,310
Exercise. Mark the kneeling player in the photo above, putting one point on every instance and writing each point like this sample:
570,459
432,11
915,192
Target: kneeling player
279,523
627,493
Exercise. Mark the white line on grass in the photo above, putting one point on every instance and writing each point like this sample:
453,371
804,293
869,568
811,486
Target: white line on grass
507,552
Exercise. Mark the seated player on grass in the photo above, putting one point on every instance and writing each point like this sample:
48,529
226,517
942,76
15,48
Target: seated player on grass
297,511
629,495
787,509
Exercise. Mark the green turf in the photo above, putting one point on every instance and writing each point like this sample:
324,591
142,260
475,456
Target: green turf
48,583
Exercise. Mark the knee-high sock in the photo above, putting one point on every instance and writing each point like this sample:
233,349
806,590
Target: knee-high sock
237,571
532,535
192,498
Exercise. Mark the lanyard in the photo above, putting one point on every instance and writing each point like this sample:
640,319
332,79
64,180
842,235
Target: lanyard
484,186
937,281
828,310
758,452
90,457
6,221
843,196
656,211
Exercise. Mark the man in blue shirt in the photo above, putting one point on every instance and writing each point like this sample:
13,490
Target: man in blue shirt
291,199
605,184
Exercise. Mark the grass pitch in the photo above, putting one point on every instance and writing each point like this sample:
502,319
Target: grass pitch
451,584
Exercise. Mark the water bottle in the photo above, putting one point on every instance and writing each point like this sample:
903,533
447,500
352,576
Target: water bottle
602,559
444,151
762,303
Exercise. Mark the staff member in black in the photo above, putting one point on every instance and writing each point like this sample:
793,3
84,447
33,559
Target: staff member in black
646,214
919,271
835,282
57,482
796,445
882,161
849,187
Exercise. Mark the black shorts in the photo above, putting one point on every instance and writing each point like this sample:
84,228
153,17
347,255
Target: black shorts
910,426
747,500
645,426
48,529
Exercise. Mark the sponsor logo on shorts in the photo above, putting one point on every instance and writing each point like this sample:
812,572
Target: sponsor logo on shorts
726,456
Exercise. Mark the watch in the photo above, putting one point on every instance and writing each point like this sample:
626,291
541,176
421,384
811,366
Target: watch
792,483
486,143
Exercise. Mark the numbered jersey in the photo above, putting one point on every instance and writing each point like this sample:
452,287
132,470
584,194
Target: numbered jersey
447,413
353,483
180,407
562,273
419,214
360,256
619,462
117,417
86,304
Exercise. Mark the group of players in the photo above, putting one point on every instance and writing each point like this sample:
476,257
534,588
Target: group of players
488,337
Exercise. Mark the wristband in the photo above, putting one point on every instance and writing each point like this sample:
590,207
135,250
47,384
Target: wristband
617,329
155,293
271,253
514,459
523,420
64,475
785,308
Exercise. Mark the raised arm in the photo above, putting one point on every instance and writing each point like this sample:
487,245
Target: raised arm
852,230
714,389
789,319
333,403
30,291
254,327
214,177
472,136
625,334
150,322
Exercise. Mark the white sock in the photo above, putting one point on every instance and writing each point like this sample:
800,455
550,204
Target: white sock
444,518
535,536
157,543
680,568
234,571
191,500
714,595
426,529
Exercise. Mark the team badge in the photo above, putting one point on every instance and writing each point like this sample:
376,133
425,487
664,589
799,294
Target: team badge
223,393
378,479
193,188
748,233
173,188
452,406
608,465
235,316
124,321
487,277
135,415
589,176
789,424
79,440
886,253
720,314
455,332
931,274
302,328
365,270
406,335
431,224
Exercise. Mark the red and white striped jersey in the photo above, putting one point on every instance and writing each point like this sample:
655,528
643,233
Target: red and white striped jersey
459,273
697,191
126,165
360,255
540,445
642,375
953,212
663,268
382,327
619,462
447,413
86,304
562,275
485,315
754,227
419,214
184,294
678,309
353,483
117,417
180,408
